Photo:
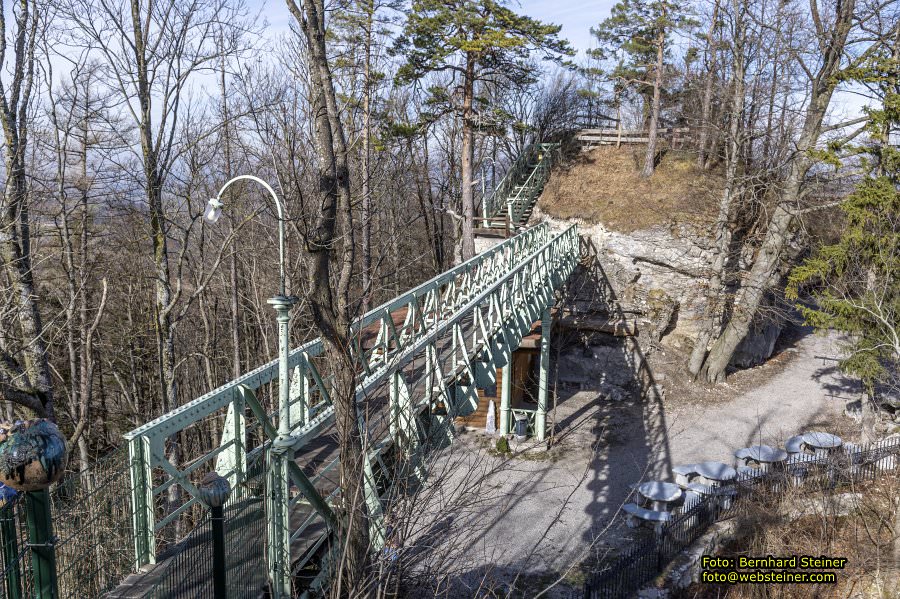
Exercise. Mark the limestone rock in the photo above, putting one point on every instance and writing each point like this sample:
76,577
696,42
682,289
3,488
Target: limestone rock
661,273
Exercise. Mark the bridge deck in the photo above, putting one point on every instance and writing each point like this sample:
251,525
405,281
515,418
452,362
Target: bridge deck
316,460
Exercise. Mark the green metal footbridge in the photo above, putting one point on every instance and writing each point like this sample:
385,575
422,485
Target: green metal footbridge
420,360
416,374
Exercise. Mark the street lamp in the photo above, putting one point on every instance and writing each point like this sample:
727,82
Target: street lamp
281,303
277,479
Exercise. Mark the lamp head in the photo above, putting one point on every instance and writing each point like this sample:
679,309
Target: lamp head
213,210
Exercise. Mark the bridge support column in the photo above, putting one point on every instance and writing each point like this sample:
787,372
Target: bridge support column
142,505
540,419
505,395
279,535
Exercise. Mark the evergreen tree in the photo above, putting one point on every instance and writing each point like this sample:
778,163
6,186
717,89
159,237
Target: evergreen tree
476,41
638,32
856,281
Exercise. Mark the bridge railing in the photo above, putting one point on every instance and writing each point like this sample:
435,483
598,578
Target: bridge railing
527,192
534,157
490,323
165,498
678,137
495,202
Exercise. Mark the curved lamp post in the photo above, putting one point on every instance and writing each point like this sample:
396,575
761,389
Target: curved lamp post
277,479
281,302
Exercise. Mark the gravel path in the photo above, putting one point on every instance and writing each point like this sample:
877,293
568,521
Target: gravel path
553,509
807,394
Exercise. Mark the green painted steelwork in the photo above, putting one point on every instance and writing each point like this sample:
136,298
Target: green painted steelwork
520,187
41,542
458,328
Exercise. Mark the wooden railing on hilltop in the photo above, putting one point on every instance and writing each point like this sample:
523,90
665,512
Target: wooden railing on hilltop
677,137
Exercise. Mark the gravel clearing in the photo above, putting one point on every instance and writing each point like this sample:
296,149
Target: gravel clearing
552,510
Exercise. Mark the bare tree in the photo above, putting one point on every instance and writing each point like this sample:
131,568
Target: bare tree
24,369
839,44
330,255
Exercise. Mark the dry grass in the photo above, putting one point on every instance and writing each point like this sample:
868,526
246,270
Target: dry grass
865,536
604,185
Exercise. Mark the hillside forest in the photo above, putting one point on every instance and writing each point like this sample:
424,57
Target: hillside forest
381,124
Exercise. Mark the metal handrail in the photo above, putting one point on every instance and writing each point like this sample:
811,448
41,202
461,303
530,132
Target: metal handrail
518,204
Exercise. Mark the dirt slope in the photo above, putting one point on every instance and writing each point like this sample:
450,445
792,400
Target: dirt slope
604,185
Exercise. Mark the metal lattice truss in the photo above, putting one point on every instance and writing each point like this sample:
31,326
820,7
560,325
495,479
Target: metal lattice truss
420,359
520,187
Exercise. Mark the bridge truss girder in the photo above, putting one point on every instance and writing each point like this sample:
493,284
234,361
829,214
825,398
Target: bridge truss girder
456,330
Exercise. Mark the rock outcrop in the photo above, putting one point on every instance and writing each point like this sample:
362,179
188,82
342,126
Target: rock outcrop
660,275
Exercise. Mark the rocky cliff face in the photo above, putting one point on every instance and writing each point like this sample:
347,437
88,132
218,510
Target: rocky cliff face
660,275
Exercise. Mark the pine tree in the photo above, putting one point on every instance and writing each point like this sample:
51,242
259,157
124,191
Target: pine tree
638,31
856,282
476,41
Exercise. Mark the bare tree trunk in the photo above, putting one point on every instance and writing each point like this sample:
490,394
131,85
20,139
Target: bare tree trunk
24,375
235,323
722,230
754,287
706,103
329,284
650,155
367,157
468,162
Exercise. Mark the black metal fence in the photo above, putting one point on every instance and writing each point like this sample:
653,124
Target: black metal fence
185,570
92,527
627,572
94,540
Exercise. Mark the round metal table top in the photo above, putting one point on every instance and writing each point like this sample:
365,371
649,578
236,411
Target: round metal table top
715,470
766,454
660,491
820,440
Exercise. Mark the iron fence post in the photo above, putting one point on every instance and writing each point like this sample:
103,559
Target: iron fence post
42,543
10,543
214,490
220,567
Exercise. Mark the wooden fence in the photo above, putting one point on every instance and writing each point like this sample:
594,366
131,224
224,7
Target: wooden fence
677,137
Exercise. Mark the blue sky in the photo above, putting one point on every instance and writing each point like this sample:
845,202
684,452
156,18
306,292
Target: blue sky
575,16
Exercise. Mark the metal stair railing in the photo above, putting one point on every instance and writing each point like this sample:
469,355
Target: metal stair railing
528,173
494,203
520,203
